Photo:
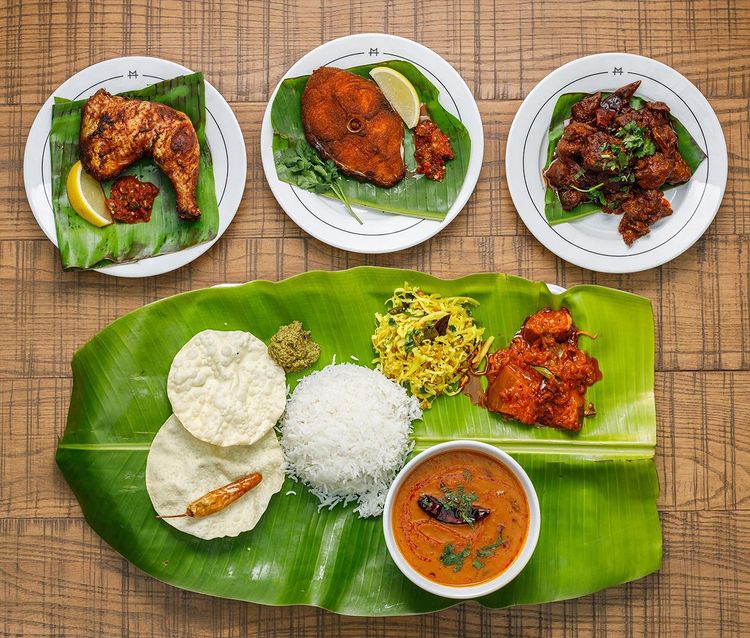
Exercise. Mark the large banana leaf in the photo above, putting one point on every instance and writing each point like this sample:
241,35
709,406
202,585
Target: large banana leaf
597,489
553,210
83,245
414,195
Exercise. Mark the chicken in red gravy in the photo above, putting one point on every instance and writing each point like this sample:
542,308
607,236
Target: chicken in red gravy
542,376
619,157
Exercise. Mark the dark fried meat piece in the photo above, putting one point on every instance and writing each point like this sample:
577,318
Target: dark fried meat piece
651,172
570,198
562,172
348,120
585,110
573,138
116,131
681,172
665,138
598,154
640,211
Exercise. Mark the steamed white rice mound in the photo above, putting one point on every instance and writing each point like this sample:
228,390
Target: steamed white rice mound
345,434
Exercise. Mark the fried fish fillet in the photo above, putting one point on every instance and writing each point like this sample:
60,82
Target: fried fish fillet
348,120
117,131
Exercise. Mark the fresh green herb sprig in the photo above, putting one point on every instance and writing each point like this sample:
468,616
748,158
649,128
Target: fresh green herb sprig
488,551
451,558
313,174
459,500
616,158
455,559
595,193
635,140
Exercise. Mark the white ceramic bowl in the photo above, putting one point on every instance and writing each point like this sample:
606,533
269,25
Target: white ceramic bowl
480,589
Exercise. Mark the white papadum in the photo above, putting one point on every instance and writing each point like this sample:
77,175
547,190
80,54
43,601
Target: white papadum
225,388
181,469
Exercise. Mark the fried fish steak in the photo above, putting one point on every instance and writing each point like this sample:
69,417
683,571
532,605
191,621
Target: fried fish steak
348,120
117,131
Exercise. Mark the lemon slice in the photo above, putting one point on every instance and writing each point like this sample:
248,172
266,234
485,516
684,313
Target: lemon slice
399,92
86,196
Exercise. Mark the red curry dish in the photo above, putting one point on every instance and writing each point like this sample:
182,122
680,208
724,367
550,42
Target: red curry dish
542,376
460,518
619,157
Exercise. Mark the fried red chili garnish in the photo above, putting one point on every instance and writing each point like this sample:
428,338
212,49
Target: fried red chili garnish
216,500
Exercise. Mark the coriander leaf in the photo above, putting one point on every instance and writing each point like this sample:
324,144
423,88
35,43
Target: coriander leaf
313,174
636,140
595,193
451,558
488,551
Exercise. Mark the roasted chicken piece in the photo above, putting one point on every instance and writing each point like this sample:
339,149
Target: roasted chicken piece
116,131
542,376
348,120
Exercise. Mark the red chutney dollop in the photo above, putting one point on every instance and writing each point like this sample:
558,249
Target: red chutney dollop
432,148
130,200
469,553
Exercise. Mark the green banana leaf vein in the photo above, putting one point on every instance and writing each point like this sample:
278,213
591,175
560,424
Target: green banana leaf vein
415,196
83,245
597,490
553,210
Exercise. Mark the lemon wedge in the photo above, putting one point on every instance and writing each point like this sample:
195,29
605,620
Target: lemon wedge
86,196
399,92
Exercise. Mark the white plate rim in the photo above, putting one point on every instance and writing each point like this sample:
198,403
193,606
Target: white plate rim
426,229
533,217
221,118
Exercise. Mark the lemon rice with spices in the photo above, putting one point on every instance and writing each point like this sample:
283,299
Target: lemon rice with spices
425,342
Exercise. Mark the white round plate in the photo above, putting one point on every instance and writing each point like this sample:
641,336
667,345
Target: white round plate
223,135
327,219
593,242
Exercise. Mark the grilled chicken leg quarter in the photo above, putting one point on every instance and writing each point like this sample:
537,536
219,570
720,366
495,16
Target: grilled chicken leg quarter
117,131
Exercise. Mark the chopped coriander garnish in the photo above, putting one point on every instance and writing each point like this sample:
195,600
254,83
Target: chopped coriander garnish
458,500
451,558
635,139
489,550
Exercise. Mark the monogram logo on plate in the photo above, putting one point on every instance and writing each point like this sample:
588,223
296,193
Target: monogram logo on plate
374,51
132,74
617,70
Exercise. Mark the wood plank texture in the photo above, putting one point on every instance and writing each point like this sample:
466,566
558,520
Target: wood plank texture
57,578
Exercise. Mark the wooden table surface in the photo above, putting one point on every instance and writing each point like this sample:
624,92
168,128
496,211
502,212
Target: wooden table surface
57,578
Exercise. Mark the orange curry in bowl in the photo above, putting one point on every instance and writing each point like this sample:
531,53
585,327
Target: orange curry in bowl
460,518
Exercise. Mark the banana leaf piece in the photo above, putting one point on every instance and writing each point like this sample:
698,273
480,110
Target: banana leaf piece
83,245
553,210
597,489
414,195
